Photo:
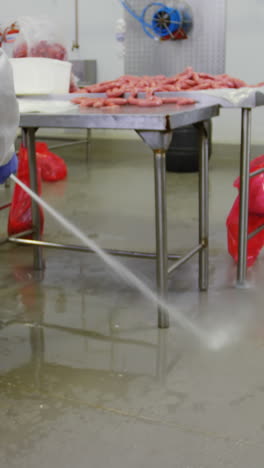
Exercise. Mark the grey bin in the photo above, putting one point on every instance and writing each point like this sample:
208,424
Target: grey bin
85,71
183,152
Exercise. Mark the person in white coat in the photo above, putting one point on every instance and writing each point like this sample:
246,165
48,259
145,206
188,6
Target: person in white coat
9,119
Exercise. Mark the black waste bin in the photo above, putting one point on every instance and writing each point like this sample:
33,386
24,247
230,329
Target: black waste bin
183,152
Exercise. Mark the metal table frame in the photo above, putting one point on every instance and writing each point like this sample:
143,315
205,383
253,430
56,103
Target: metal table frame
246,101
245,175
244,195
66,142
155,127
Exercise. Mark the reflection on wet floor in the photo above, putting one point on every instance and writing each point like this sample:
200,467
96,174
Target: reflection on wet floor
84,370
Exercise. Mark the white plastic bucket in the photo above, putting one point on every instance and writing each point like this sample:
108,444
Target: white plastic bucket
37,75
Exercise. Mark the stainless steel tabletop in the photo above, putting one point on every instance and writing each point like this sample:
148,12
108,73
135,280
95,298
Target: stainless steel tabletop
225,97
166,117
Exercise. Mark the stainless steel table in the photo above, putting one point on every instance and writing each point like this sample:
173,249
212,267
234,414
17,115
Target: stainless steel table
155,127
246,99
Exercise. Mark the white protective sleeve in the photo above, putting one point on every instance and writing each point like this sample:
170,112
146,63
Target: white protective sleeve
9,115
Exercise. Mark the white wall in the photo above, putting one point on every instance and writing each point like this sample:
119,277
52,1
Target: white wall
244,45
244,59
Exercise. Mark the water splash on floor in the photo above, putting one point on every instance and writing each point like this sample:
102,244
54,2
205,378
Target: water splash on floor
213,340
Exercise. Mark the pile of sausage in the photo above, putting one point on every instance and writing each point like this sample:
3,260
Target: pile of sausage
150,101
188,80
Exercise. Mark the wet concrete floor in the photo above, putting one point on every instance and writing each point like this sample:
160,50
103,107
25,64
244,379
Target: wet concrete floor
86,377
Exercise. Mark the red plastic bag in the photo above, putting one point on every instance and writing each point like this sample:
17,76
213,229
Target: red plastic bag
52,167
254,245
256,187
20,217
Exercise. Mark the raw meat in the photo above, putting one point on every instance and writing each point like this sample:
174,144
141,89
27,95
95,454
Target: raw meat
150,101
41,49
188,80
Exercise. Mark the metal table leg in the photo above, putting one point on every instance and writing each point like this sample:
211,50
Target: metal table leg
203,208
159,142
244,191
162,356
161,232
28,135
88,143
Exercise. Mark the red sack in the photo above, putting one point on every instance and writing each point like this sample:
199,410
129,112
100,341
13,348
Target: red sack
52,167
256,187
20,217
254,245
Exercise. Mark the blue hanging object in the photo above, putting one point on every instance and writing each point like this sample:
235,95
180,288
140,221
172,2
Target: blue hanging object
166,22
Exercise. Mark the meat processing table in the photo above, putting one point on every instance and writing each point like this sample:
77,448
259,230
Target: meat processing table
155,126
246,99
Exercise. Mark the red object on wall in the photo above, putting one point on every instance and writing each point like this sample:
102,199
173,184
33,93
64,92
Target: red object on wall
10,33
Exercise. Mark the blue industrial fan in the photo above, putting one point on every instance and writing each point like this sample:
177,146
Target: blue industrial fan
162,22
